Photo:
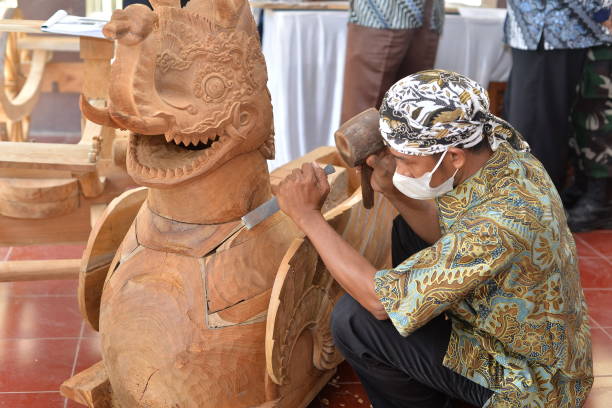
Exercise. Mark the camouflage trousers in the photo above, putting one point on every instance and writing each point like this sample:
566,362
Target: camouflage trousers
592,115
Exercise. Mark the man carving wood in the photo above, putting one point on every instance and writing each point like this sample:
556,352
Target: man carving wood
484,302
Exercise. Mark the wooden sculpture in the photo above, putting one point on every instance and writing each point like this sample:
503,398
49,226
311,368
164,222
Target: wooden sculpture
194,310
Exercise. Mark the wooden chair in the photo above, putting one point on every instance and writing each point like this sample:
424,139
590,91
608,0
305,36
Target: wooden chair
51,192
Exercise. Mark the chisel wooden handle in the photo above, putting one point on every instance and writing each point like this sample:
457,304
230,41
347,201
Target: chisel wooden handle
367,193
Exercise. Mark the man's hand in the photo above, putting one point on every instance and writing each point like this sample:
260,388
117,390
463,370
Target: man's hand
383,164
303,192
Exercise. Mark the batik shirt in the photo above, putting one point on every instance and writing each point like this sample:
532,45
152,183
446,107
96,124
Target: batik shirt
395,14
505,273
563,24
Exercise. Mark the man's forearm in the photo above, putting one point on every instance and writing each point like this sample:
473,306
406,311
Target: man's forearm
350,269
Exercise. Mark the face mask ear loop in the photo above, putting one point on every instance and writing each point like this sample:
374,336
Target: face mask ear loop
439,162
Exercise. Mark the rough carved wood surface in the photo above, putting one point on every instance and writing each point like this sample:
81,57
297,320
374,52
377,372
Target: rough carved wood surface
185,311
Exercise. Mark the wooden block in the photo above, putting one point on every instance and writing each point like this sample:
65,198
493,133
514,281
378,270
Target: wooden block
55,156
39,210
21,26
34,190
49,43
70,228
13,271
96,48
91,184
90,387
96,78
63,77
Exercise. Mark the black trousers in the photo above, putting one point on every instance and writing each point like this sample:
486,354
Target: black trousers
396,371
538,102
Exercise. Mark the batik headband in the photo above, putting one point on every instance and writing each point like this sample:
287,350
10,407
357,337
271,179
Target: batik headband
430,111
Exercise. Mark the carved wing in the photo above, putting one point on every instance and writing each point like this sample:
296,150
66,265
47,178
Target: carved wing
104,241
304,293
302,299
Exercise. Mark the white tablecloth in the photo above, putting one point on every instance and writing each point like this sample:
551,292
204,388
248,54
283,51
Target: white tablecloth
305,50
474,47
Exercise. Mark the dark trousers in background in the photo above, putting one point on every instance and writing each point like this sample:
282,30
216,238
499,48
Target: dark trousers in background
396,371
538,101
377,58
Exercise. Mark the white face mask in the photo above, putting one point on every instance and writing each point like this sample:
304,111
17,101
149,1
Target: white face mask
419,188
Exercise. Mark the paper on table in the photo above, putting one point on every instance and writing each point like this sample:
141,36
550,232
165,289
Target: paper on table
63,23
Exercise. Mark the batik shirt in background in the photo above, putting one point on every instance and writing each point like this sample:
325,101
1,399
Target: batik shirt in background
562,24
505,273
395,14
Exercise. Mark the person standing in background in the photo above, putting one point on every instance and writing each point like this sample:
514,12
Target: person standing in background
592,143
386,41
549,41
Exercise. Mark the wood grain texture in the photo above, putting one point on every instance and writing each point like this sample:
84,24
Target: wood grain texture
31,198
13,271
90,387
103,244
51,156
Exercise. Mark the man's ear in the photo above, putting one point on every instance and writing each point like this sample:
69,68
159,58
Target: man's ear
458,157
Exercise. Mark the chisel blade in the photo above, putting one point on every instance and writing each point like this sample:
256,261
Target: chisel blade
270,207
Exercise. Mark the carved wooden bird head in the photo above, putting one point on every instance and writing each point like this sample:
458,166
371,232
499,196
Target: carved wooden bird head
190,84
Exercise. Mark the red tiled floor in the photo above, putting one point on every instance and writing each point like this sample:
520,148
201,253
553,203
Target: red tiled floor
600,306
49,308
39,317
35,364
46,252
583,248
595,272
3,252
601,393
602,352
89,354
89,332
600,241
49,287
32,400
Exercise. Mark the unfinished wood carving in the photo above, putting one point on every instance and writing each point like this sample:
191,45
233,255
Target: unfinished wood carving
18,92
194,310
50,192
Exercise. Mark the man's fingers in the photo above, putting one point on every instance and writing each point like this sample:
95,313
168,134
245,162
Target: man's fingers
309,172
372,160
295,174
321,178
275,188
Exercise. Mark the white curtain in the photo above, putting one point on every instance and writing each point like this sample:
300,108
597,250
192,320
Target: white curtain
305,53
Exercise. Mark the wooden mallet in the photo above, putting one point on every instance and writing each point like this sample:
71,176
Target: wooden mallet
356,139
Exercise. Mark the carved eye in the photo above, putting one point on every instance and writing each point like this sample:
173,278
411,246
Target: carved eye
215,87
